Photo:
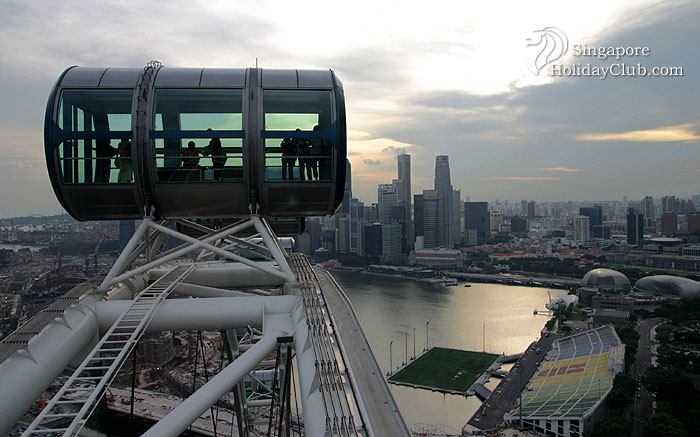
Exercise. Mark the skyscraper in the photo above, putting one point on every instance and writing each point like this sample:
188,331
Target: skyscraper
635,227
431,232
531,210
595,215
418,215
347,194
477,217
443,188
387,197
582,228
404,180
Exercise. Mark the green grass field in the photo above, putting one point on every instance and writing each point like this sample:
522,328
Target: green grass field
447,369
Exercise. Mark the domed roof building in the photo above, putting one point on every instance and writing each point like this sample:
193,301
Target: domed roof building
606,279
668,284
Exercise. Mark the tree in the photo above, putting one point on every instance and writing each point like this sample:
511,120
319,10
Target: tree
617,426
664,425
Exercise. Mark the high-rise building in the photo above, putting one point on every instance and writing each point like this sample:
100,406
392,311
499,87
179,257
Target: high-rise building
635,227
391,244
404,184
595,215
443,188
476,216
387,197
531,210
347,193
372,235
523,208
669,224
431,232
649,211
418,215
496,221
457,212
582,230
694,222
518,225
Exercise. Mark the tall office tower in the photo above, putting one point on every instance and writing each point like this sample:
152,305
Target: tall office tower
518,225
342,242
387,197
404,181
418,215
347,194
531,210
696,201
391,244
669,224
582,230
523,208
356,212
693,222
635,227
477,217
496,221
431,225
457,213
443,188
595,214
372,236
649,211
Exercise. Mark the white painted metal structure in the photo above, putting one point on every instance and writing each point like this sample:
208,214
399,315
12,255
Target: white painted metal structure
250,284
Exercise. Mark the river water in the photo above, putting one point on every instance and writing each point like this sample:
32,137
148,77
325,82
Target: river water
456,317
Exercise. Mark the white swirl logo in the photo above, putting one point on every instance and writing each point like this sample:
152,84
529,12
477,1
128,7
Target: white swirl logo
545,46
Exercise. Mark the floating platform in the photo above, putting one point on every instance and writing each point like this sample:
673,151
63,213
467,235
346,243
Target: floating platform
444,370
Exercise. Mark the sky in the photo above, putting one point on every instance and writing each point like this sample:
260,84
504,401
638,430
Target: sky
425,78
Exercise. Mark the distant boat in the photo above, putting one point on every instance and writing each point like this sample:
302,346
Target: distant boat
449,282
467,285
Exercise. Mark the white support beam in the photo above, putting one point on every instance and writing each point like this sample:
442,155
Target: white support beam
194,406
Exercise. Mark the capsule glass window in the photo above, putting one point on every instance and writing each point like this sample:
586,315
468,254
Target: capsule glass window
94,137
299,134
198,135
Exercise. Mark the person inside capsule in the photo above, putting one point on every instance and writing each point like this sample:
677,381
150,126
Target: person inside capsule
218,156
123,162
288,158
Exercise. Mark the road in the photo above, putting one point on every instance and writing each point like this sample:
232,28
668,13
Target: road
380,408
643,404
505,395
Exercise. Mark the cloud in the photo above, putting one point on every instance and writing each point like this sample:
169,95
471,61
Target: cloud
683,132
518,178
687,170
565,169
371,162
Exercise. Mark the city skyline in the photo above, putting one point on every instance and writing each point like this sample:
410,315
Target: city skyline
458,87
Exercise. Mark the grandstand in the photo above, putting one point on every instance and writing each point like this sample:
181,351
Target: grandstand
566,393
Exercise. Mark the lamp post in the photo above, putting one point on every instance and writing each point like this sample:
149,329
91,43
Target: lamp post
426,334
414,342
391,364
406,362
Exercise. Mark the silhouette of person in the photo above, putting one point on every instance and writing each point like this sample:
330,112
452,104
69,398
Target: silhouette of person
190,156
302,147
319,153
288,158
123,162
218,155
103,154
